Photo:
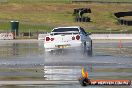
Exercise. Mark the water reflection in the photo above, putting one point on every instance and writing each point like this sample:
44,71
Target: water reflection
9,50
62,72
15,49
27,61
97,72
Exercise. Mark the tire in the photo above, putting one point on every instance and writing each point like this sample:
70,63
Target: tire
85,49
88,51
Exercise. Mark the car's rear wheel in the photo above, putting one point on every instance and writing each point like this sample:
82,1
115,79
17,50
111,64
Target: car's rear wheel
88,48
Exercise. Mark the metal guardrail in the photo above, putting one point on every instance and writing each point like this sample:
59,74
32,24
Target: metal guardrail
99,36
41,35
111,36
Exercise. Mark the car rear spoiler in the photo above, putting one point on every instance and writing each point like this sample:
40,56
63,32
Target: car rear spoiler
67,32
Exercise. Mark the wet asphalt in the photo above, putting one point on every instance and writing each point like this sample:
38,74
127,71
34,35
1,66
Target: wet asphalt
26,60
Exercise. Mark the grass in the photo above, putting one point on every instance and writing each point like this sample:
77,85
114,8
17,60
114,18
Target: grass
62,1
44,1
6,27
111,0
34,28
43,15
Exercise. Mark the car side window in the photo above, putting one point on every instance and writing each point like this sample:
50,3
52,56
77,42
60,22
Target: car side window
82,31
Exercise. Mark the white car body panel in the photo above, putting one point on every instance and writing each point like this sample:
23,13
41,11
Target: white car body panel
65,40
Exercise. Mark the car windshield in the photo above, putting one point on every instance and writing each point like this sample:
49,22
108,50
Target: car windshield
65,29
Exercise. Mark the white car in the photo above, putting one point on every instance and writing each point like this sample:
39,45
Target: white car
72,37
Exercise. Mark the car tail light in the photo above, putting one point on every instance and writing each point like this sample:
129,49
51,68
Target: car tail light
52,39
73,38
77,37
47,39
